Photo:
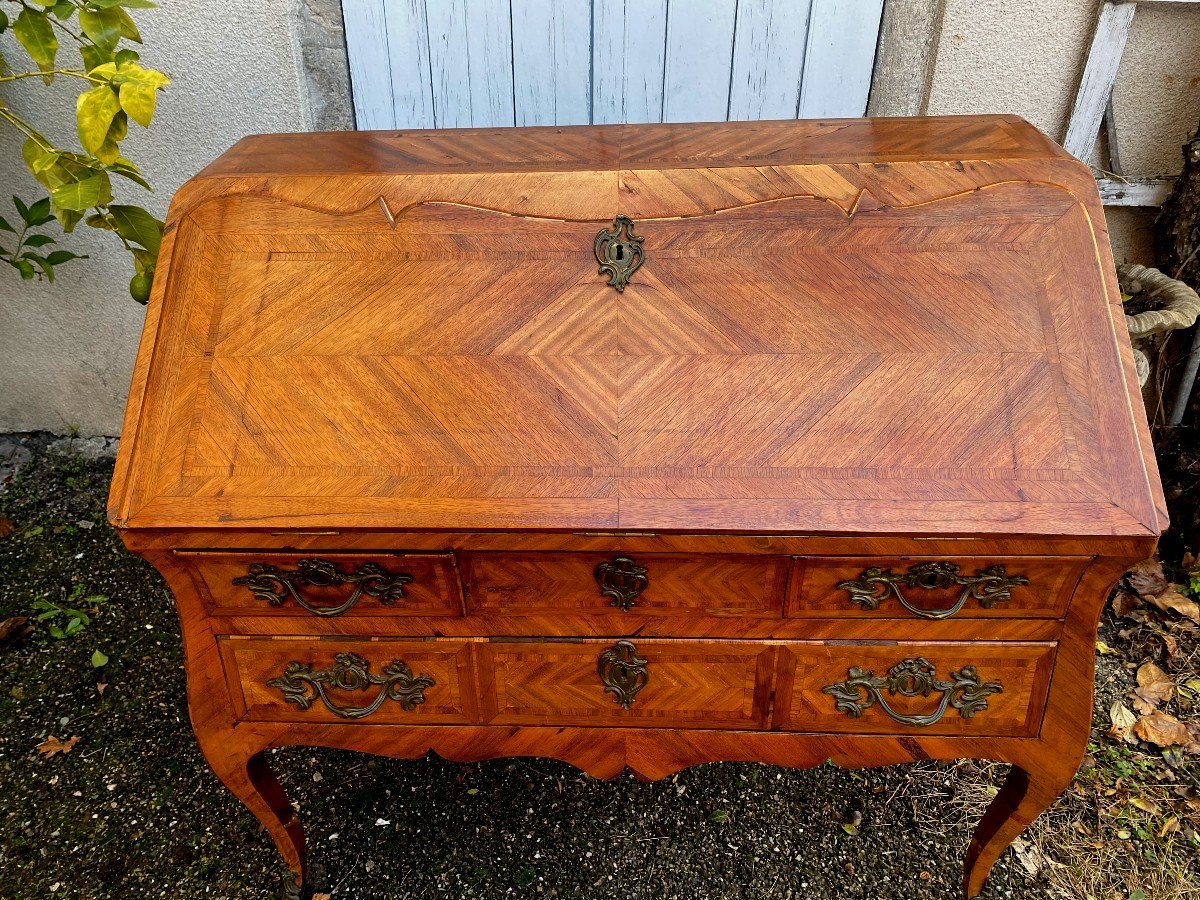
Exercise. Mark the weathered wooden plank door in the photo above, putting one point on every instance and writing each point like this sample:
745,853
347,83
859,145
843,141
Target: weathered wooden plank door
452,63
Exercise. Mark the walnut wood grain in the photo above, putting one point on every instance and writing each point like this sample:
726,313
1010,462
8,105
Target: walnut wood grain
851,344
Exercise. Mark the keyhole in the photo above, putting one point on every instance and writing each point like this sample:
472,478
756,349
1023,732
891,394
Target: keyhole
620,251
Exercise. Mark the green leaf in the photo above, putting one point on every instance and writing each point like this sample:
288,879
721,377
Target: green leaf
139,91
127,54
127,28
36,34
103,26
25,268
94,112
98,659
63,10
37,157
126,169
80,195
3,20
58,257
4,226
94,57
137,226
22,209
67,218
39,213
38,240
43,264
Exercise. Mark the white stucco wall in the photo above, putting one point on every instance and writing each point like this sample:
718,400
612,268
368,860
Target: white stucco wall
1026,57
67,349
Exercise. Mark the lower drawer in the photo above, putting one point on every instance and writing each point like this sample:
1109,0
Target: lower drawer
681,684
970,689
321,681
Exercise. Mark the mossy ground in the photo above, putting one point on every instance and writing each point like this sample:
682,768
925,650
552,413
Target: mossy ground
132,811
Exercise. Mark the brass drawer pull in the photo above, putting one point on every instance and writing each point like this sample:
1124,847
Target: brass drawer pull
276,585
619,252
622,672
622,580
989,586
914,677
301,685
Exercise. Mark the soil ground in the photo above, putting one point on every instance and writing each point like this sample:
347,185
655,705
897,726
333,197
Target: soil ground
132,811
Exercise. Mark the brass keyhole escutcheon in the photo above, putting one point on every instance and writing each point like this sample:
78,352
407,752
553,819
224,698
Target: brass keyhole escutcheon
619,252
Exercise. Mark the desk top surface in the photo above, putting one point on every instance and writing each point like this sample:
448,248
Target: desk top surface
899,326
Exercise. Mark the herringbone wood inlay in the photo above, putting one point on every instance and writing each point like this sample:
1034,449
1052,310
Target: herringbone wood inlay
858,354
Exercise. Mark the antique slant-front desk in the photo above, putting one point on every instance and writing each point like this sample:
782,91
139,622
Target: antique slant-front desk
642,446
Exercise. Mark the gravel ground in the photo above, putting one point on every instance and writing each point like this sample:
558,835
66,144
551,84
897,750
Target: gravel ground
131,811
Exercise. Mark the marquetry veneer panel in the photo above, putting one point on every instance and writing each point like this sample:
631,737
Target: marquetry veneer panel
709,585
403,584
690,684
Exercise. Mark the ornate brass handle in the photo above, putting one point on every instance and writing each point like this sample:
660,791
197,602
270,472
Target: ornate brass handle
619,252
301,685
622,580
989,586
913,677
622,672
276,585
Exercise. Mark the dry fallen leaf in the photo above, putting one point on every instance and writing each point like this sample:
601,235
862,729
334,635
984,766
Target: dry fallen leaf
6,527
1161,729
1123,721
101,687
1147,578
1123,602
13,630
1140,706
1154,685
52,745
1170,645
1171,599
322,897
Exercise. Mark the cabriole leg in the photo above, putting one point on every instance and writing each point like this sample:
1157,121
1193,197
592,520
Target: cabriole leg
249,777
1024,796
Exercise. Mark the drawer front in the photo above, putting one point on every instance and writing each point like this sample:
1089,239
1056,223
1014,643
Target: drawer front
324,584
967,689
933,587
636,584
644,683
327,681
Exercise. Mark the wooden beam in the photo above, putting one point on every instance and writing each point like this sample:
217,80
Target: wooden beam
1135,191
905,56
1099,75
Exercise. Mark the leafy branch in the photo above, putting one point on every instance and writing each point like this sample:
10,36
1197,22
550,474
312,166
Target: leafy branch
22,258
119,88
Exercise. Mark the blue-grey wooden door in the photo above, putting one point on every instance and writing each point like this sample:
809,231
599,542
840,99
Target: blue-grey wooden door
453,63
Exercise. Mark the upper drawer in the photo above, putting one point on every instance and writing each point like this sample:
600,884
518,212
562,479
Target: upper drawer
645,584
933,587
328,584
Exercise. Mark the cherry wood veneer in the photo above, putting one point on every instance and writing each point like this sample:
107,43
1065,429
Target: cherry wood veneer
421,479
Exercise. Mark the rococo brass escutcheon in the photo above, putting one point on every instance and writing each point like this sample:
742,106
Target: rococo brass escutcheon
619,252
622,580
301,685
913,677
276,585
989,586
622,672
